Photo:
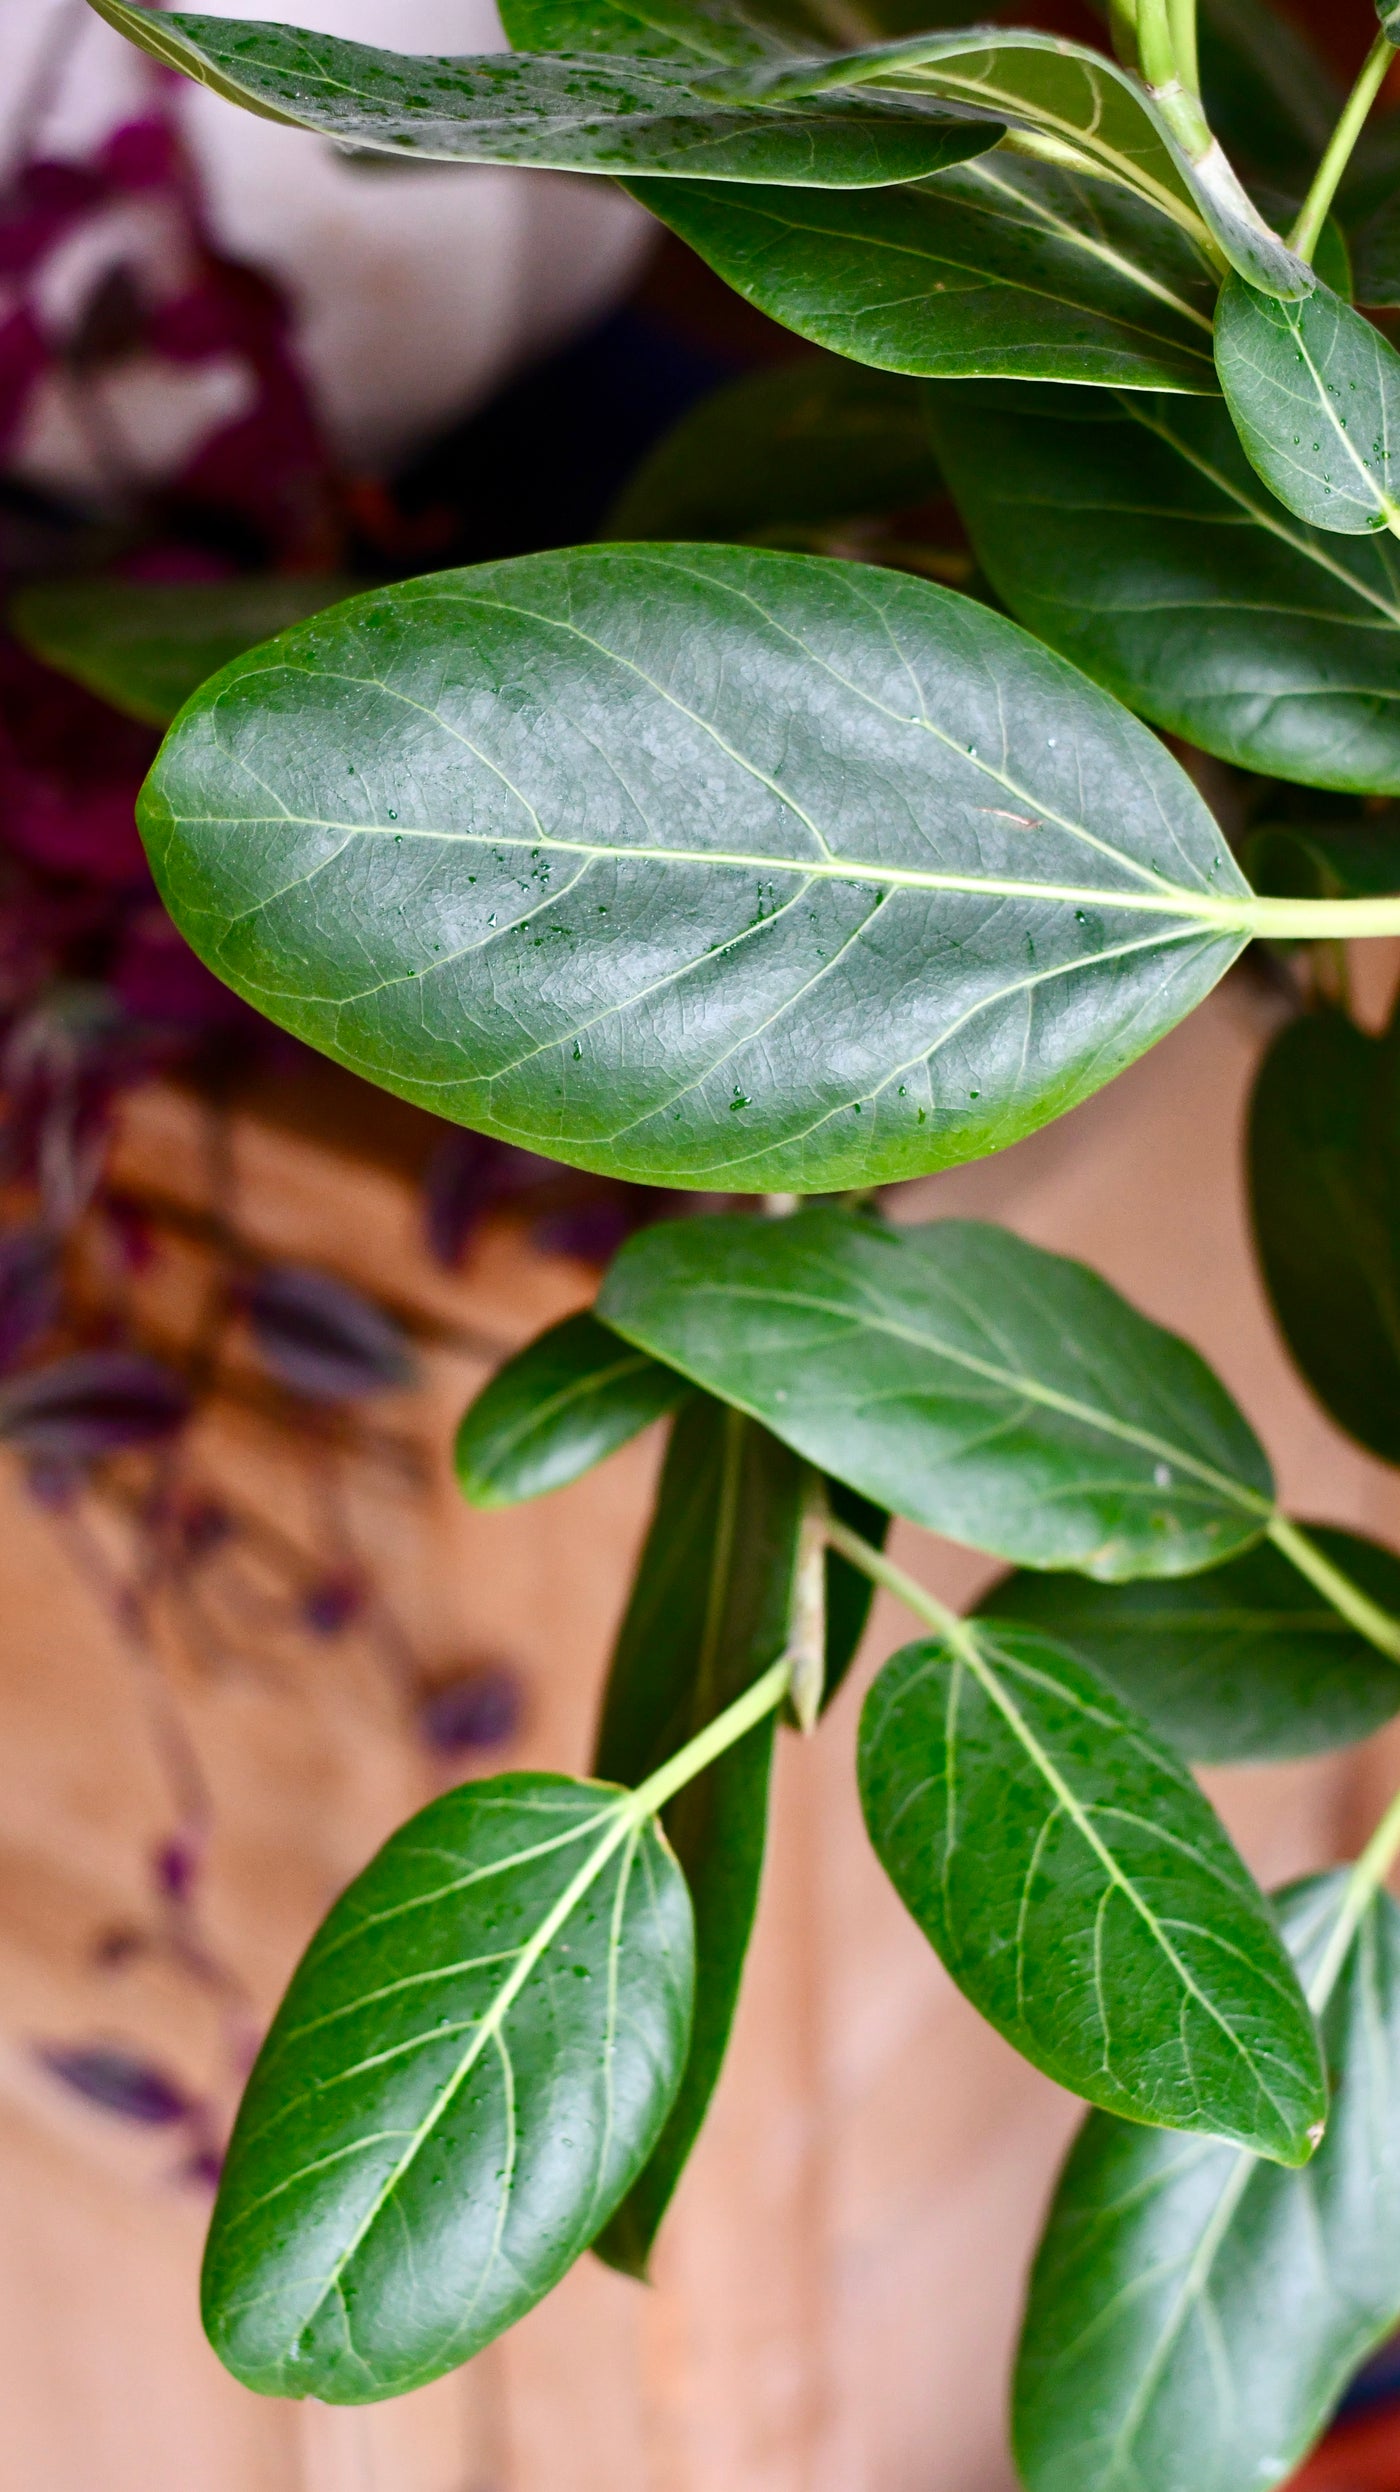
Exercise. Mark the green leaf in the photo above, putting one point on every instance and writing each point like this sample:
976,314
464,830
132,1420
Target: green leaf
1326,1235
587,115
1388,15
1082,1892
711,1606
709,31
991,1391
1324,860
518,844
566,1401
849,1592
1142,544
473,2062
1269,96
1008,268
1375,256
146,645
812,441
1314,391
1242,1664
1195,2314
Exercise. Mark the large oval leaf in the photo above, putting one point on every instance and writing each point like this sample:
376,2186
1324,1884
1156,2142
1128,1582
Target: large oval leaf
1314,391
1007,268
1194,2313
1145,547
471,2066
732,869
999,1394
1082,1892
566,1401
586,115
1240,1664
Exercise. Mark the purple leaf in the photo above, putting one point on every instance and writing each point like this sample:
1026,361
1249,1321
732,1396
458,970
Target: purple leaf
174,1869
334,1603
29,1290
460,1183
483,1707
117,2081
322,1338
93,1403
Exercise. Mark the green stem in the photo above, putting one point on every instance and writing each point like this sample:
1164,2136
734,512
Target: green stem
1346,1597
1368,1875
1319,921
1182,15
1156,50
883,1570
1312,216
764,1697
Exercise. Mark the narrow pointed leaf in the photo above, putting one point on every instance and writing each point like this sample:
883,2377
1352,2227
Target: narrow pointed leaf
1143,545
1008,268
563,1403
1326,1235
146,645
814,441
584,115
710,1609
1194,2313
1314,391
996,1393
888,888
472,2064
1245,1663
1082,1892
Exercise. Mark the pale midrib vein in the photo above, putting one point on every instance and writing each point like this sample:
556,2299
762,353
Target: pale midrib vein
582,1389
1097,248
1099,155
1208,907
1193,2284
861,1320
1369,487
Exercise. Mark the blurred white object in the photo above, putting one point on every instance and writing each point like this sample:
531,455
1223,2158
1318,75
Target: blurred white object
415,290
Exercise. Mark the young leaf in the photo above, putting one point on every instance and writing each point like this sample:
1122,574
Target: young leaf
146,645
1314,391
591,115
1325,1234
1082,1892
991,1391
566,1401
818,440
711,1607
473,2062
1194,2313
1242,1664
1133,535
888,888
1008,268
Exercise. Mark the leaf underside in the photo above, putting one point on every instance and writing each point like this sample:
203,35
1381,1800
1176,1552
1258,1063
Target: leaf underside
883,887
1314,391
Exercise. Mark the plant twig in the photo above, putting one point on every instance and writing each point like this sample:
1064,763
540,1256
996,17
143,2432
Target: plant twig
1312,216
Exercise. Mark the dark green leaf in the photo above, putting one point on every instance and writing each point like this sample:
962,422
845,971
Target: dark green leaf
1314,391
1242,1664
711,1607
849,1593
473,2062
562,1404
1326,1243
996,1393
708,31
146,645
1269,96
1082,1892
1195,2314
1326,860
1388,13
1143,545
1375,255
1009,268
588,115
522,844
816,440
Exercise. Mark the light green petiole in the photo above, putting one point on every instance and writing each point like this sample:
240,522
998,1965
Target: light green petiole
1346,1597
1312,216
764,1697
1368,1875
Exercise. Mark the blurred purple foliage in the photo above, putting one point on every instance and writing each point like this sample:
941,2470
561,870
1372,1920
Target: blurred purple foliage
117,2081
324,1339
482,1707
92,1403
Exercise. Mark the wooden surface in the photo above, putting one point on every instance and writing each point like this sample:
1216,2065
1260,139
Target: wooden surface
836,2290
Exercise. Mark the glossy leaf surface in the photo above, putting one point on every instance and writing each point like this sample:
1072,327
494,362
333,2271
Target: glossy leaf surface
710,1608
1144,546
1242,1664
1314,391
587,115
1194,2313
1325,1233
1082,1892
996,1393
887,887
708,32
1008,268
566,1401
473,2062
146,645
810,441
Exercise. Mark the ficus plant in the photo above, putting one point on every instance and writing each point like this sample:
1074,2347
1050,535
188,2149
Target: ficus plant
766,873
